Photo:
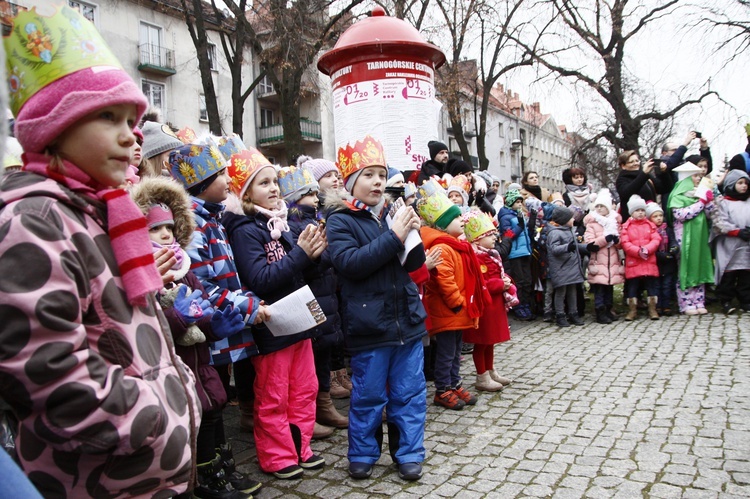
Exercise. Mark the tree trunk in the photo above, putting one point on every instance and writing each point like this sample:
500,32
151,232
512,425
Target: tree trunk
289,101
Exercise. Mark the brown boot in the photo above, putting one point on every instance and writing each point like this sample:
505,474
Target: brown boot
326,413
632,309
246,416
652,313
338,391
320,431
344,379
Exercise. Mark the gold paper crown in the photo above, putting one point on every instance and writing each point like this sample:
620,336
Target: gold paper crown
40,50
478,224
243,167
432,201
462,182
187,135
368,152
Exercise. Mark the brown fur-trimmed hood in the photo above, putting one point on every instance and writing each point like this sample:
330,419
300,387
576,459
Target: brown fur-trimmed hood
153,190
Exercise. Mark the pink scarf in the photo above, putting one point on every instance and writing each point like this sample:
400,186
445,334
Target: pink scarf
276,219
126,226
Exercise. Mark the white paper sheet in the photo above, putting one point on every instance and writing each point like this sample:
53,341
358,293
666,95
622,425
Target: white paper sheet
295,313
412,239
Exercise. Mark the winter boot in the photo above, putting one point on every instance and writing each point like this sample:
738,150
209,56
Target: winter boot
246,416
239,480
338,391
486,384
602,317
652,313
499,379
562,320
320,431
213,483
344,379
576,320
326,413
632,309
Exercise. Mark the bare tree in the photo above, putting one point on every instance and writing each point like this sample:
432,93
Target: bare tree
595,34
413,11
286,37
733,20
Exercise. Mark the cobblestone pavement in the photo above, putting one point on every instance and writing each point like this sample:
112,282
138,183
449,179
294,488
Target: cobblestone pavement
634,409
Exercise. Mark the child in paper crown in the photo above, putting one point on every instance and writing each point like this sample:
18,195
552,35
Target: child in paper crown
518,264
605,270
92,407
193,323
666,259
455,298
687,206
731,237
564,257
382,314
458,192
269,260
493,327
299,189
640,240
203,173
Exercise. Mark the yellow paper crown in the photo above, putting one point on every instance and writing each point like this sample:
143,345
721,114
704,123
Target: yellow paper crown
364,153
40,50
432,201
477,224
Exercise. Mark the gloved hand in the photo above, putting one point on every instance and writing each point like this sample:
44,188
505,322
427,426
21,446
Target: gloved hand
616,240
610,238
225,323
707,197
643,252
674,250
572,246
521,221
192,307
744,234
592,248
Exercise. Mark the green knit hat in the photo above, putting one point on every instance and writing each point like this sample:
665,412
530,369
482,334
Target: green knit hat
512,196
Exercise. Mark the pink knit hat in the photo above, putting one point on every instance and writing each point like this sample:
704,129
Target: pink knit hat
57,106
318,167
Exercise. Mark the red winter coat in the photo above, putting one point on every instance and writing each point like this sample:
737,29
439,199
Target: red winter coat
604,265
637,234
493,325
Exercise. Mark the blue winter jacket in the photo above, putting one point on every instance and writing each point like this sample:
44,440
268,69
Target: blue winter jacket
380,303
321,279
521,246
272,269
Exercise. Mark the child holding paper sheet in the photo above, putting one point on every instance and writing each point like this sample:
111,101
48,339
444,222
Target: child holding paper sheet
383,315
272,265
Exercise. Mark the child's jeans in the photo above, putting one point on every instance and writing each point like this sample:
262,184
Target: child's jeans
567,293
666,286
633,286
603,295
448,359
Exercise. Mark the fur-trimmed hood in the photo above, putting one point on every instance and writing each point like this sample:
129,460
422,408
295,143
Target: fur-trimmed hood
153,190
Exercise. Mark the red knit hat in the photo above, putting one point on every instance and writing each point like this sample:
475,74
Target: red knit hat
57,106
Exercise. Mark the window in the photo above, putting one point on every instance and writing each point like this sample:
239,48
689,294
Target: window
500,130
151,48
154,92
203,109
213,63
523,135
266,117
86,9
271,159
265,86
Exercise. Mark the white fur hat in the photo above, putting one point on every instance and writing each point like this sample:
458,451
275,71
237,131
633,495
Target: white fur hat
604,198
652,208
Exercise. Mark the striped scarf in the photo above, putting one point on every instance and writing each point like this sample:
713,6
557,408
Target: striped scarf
126,226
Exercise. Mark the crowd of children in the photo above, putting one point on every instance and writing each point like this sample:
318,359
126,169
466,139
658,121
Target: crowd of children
157,255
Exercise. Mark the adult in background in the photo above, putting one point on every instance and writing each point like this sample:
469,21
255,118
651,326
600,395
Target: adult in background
647,181
436,164
530,187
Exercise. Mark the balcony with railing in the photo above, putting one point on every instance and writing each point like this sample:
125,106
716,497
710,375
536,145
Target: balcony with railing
156,59
274,134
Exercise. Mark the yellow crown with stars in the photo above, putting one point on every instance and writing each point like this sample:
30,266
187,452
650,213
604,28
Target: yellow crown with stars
432,202
40,50
364,153
478,224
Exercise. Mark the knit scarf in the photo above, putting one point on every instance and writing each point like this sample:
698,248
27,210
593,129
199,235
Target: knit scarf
579,196
475,290
175,247
608,223
276,219
696,262
376,211
534,190
126,226
662,230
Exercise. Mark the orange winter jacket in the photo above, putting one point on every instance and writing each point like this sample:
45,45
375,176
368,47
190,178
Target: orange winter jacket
445,290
